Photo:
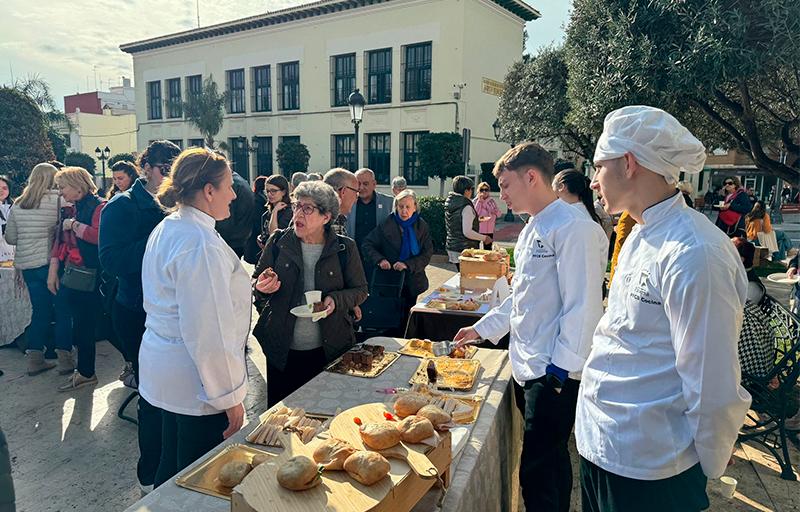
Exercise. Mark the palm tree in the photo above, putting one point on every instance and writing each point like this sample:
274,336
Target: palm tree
205,110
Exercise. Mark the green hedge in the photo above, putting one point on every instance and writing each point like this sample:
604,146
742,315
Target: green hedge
431,208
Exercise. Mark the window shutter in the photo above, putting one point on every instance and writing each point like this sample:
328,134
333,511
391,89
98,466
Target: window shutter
403,51
333,80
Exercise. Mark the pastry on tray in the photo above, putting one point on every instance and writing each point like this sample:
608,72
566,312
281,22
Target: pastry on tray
267,433
363,360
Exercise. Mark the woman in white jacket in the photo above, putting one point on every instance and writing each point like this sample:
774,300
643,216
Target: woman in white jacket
197,300
31,227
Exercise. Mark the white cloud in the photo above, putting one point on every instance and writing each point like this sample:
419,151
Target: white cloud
69,43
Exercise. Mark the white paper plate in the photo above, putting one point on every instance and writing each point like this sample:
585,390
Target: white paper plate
720,204
780,278
305,312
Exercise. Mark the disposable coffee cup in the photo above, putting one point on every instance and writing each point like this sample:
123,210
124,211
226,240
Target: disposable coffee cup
313,297
727,486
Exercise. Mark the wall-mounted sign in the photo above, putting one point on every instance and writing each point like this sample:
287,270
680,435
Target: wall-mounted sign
492,87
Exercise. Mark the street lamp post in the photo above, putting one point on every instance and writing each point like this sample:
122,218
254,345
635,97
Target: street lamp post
356,102
250,147
102,155
509,217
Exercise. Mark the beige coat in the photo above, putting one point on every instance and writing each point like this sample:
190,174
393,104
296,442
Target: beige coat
32,232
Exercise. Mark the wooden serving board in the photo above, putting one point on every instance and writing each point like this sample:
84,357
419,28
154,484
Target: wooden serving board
398,491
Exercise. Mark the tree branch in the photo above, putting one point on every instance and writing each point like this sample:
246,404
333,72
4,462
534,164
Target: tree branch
740,139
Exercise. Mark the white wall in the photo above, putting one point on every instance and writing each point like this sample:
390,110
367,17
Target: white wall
471,39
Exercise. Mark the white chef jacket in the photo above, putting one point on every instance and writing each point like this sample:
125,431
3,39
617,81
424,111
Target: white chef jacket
556,294
198,301
660,389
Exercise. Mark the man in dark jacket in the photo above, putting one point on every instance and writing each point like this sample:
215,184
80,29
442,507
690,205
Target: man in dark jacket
125,224
236,229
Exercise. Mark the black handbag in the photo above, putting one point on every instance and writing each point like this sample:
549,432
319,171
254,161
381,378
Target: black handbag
79,278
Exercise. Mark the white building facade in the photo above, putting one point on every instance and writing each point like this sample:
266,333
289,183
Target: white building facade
422,66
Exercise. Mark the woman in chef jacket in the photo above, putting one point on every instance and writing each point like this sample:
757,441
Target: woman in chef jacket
197,299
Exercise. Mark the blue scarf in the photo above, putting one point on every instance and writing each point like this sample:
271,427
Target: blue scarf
409,246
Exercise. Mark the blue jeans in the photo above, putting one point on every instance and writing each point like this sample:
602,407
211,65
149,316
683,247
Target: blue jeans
46,309
784,244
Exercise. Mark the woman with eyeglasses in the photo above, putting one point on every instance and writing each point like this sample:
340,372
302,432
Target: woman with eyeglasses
735,206
307,256
487,211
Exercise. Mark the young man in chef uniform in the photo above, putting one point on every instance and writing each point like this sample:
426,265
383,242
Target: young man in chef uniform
660,403
553,309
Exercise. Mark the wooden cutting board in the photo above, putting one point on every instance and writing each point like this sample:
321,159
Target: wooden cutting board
337,492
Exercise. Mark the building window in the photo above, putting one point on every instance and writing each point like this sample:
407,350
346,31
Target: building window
154,100
264,156
235,79
379,76
174,99
290,85
379,155
410,158
343,73
239,156
177,142
417,72
262,89
196,143
194,86
343,152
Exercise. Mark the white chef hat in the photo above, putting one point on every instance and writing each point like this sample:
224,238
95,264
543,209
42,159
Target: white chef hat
657,140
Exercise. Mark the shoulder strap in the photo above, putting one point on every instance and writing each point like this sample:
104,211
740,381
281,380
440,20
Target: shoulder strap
275,249
342,254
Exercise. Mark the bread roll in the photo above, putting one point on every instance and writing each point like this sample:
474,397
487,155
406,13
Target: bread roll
380,436
298,474
437,415
409,403
332,453
232,473
415,429
367,467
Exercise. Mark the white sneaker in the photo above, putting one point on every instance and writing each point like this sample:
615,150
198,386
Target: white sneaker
146,489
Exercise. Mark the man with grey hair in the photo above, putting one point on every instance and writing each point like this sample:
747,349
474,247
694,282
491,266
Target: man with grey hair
661,403
399,184
371,209
345,184
298,178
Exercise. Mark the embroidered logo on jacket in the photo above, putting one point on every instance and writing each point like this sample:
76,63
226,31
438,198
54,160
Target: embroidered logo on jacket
541,251
642,290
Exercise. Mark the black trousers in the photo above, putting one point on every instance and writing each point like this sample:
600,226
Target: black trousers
86,309
184,439
7,498
545,471
602,491
301,367
129,325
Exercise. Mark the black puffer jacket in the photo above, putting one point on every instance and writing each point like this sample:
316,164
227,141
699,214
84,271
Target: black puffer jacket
341,278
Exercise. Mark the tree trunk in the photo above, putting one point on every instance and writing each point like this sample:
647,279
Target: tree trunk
441,187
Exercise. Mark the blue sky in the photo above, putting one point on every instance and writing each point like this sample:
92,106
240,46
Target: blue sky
74,44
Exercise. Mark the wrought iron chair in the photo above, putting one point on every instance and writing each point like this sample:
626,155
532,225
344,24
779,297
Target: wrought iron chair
773,390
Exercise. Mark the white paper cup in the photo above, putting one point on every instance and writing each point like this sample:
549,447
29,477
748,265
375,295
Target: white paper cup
727,486
313,296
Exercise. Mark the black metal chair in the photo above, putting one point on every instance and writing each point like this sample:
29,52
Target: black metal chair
121,411
383,311
773,391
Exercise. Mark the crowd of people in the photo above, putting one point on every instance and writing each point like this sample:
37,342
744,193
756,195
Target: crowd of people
650,383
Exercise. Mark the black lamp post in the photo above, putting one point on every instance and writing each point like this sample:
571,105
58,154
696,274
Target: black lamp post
509,217
102,155
356,102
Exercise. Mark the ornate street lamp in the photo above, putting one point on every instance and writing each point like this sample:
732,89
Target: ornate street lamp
102,155
356,102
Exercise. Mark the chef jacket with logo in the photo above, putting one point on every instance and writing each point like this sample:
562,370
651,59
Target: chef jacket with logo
660,390
556,294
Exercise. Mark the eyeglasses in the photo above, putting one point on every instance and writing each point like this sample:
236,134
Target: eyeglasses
273,190
350,188
307,209
729,183
484,190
